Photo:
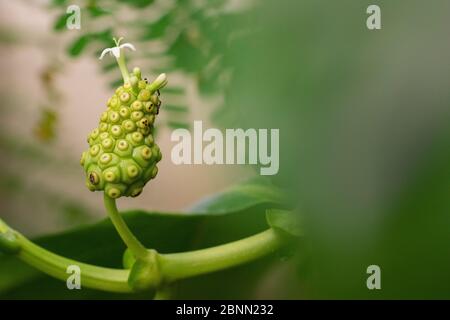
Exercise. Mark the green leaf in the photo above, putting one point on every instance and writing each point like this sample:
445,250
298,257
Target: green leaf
105,36
257,191
77,47
58,2
80,44
158,28
60,22
187,52
138,3
285,221
96,11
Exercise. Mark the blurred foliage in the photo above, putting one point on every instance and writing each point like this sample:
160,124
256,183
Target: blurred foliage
45,129
364,128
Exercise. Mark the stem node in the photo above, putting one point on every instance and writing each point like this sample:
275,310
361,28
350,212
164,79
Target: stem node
145,273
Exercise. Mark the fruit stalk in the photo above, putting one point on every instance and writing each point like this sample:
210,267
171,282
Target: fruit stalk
135,246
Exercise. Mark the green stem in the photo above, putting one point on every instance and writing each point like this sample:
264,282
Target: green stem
177,266
123,67
106,279
135,246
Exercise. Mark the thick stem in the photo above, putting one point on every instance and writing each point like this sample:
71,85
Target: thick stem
187,264
135,246
107,279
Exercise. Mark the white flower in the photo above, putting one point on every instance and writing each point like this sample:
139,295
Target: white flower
115,51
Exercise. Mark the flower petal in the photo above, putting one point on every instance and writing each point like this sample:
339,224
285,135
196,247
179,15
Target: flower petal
127,45
105,52
116,52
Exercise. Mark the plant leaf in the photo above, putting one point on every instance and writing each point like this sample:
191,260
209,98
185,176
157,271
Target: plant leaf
96,11
77,47
138,3
80,44
257,191
158,28
60,22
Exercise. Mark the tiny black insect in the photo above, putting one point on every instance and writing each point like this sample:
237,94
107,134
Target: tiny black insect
158,106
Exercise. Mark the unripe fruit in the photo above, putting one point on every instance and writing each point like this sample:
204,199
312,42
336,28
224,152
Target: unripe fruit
122,155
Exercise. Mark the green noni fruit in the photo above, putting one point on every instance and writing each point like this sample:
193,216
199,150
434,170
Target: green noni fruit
122,153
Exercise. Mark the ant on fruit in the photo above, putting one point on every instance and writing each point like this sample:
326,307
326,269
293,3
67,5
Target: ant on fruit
158,105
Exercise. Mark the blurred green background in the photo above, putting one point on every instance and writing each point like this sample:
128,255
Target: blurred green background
364,123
